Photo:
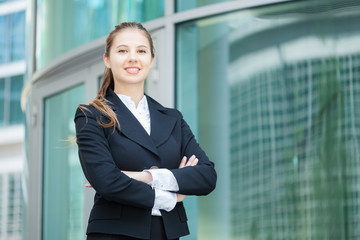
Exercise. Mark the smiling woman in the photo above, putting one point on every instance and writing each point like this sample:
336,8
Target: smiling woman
140,157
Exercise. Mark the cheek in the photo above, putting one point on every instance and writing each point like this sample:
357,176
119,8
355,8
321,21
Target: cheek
147,61
117,60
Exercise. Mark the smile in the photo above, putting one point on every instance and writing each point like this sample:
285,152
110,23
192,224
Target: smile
132,70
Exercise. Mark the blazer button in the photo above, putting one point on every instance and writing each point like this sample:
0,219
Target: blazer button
154,167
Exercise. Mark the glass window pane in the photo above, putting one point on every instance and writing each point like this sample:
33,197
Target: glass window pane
3,39
182,5
2,102
64,25
15,207
16,85
1,1
63,180
18,36
274,92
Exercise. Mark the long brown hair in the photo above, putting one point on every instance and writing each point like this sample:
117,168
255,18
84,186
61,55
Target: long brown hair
100,102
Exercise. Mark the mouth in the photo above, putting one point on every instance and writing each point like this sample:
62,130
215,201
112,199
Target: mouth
132,70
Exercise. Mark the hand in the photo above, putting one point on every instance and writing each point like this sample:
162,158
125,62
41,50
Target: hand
180,197
192,161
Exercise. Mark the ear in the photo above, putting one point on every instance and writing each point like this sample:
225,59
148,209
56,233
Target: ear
106,61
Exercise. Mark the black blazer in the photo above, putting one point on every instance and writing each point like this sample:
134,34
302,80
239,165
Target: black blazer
123,205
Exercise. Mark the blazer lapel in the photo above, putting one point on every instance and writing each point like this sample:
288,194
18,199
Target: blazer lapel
161,124
129,125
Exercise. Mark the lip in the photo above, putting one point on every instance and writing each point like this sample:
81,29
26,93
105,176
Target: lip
132,70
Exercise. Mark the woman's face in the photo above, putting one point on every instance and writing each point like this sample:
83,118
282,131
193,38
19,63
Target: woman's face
130,57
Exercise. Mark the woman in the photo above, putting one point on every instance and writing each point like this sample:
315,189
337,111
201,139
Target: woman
140,157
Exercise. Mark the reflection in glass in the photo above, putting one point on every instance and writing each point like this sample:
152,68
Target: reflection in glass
63,181
10,94
12,37
18,36
182,5
277,94
64,25
3,39
2,102
16,114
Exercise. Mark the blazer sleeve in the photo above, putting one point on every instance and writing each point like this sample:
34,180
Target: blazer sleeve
100,169
199,179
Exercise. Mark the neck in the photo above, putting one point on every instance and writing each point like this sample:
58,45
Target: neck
135,92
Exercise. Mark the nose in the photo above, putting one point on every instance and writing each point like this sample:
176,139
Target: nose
133,56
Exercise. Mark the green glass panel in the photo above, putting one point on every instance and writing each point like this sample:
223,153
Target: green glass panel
64,25
2,101
4,39
63,180
187,58
18,36
273,93
16,85
182,5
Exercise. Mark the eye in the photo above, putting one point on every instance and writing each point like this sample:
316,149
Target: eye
141,51
122,51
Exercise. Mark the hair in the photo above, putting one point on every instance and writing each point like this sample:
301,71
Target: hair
100,102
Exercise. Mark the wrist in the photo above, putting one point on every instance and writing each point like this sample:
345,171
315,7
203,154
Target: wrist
147,177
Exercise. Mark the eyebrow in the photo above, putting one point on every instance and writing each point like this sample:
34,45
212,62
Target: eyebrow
140,46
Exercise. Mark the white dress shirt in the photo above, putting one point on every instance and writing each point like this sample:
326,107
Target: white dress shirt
141,112
164,181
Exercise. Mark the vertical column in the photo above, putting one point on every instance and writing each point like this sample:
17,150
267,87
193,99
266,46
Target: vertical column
214,211
187,99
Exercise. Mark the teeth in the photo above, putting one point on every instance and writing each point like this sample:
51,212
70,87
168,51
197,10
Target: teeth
132,70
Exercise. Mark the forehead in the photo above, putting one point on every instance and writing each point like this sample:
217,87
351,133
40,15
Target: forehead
131,37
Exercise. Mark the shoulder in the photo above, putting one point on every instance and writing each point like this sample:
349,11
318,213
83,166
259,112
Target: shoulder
86,110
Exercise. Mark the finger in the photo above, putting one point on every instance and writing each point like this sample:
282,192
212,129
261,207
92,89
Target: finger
195,162
191,160
182,163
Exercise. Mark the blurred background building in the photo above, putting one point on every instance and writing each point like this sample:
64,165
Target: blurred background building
12,133
271,88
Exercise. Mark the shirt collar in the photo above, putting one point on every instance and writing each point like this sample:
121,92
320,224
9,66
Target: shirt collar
129,103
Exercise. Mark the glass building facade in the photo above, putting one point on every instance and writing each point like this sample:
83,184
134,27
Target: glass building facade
11,205
12,71
10,94
12,49
62,26
278,88
12,37
187,5
270,88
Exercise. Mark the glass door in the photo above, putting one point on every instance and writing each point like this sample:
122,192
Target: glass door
63,190
63,183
